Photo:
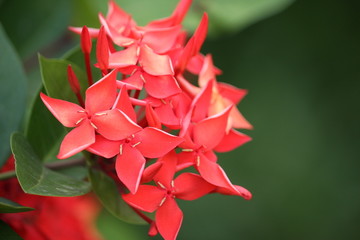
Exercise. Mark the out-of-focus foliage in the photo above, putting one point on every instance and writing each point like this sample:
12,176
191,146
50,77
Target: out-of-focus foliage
12,94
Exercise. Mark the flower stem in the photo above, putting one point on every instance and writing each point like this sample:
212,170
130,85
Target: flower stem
51,165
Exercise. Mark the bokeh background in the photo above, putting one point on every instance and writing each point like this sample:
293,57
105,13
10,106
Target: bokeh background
300,61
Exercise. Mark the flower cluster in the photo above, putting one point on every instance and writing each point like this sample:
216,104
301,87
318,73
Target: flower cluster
151,117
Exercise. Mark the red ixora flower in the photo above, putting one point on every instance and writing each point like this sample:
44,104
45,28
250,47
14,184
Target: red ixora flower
148,121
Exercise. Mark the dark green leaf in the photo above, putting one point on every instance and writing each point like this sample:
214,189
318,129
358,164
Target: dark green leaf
43,131
7,206
31,25
54,77
6,232
12,94
106,190
34,178
233,15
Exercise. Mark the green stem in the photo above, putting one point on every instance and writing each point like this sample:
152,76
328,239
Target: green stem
51,165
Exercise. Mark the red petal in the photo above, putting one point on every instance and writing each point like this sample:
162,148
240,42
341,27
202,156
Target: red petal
207,72
210,131
153,63
168,85
176,17
238,120
150,172
104,147
152,118
185,160
167,116
65,112
240,191
213,173
166,173
132,82
129,167
161,40
101,95
124,58
168,219
102,50
201,103
232,93
114,124
94,32
231,141
123,103
190,186
194,44
156,143
77,140
147,198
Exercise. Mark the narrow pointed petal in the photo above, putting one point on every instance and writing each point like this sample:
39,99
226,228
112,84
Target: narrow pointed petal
201,103
104,147
123,103
240,191
153,63
196,63
150,172
147,198
176,17
167,116
152,118
238,120
213,173
185,160
169,86
132,82
207,72
124,58
114,124
168,219
163,39
156,143
102,50
167,171
231,141
232,93
194,44
190,186
210,131
67,113
93,32
101,95
77,140
129,167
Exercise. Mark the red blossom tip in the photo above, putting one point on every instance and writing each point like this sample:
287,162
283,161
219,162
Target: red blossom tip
86,43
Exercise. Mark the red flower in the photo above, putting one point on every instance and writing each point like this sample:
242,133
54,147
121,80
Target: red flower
95,117
161,198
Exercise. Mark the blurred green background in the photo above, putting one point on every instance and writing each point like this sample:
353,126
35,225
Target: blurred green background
300,62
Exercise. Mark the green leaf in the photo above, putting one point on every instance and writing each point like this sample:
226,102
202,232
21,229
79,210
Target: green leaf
12,94
55,81
43,131
7,232
34,24
34,178
233,15
107,192
7,206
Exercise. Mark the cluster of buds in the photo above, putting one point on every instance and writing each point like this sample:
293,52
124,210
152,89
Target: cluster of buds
148,119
